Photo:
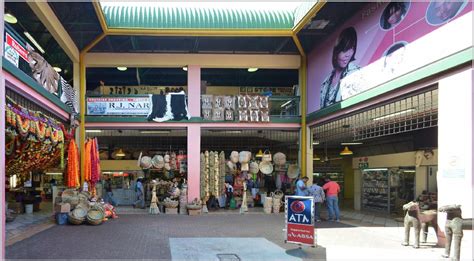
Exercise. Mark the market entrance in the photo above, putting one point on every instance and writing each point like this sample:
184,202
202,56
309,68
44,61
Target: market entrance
254,162
128,155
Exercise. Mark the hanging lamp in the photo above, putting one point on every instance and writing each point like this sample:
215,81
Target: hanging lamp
346,151
120,153
259,154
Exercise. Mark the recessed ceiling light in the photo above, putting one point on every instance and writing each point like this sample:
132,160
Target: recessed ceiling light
185,68
122,68
9,18
57,69
252,69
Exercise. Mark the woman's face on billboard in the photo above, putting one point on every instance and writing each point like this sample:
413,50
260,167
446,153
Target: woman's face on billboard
446,9
344,57
395,16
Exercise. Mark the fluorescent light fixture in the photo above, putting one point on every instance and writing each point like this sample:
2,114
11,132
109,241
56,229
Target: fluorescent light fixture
53,173
57,69
155,132
122,68
252,69
185,68
350,143
317,158
393,114
93,131
316,142
9,18
379,169
35,43
234,131
409,171
286,103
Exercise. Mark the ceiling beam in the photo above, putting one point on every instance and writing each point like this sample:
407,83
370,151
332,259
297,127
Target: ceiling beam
203,60
49,19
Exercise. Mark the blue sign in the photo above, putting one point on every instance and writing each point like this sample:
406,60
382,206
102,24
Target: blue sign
299,210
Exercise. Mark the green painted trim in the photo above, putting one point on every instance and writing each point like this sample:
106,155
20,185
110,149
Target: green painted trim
26,79
111,119
452,61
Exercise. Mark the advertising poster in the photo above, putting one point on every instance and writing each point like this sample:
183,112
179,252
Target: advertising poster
125,106
299,217
13,51
383,41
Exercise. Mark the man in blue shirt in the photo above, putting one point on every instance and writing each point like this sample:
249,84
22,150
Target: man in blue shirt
301,189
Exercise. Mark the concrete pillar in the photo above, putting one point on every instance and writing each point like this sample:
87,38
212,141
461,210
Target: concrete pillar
194,164
455,143
194,90
2,142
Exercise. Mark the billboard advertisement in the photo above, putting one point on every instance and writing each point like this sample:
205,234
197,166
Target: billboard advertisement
129,106
299,219
384,41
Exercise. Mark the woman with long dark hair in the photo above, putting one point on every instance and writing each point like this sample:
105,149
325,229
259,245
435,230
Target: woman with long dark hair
343,55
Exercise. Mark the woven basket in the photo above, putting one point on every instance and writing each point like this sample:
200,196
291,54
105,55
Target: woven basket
278,195
279,158
95,215
74,220
171,204
193,207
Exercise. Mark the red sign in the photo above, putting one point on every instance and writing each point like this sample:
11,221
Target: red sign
298,233
15,45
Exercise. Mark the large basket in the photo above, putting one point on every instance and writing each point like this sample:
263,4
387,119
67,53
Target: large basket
95,215
193,207
74,220
171,204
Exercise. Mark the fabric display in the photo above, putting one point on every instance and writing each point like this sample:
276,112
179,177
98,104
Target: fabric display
92,163
253,108
72,174
33,141
250,108
172,106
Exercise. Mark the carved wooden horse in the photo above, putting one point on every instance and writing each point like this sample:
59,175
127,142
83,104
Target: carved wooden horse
453,227
414,217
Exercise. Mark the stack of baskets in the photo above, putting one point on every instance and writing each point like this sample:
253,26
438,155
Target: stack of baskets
70,196
277,196
267,205
95,215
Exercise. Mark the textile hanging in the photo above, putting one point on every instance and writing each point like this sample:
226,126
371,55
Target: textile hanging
171,106
73,166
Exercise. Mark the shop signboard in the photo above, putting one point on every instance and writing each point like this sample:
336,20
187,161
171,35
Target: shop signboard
124,106
137,90
13,50
299,219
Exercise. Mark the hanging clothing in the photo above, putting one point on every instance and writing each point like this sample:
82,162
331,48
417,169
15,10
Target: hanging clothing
87,162
158,106
179,108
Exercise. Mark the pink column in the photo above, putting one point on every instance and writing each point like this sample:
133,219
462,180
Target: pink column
2,142
194,168
194,90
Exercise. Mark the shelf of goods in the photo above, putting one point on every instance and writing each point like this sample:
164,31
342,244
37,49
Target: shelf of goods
376,191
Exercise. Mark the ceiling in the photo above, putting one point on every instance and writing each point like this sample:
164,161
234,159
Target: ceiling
80,21
178,77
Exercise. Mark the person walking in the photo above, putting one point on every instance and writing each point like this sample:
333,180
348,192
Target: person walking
332,190
140,194
108,192
318,194
229,192
301,189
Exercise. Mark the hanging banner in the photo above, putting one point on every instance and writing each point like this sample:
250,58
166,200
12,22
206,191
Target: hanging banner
299,219
124,106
